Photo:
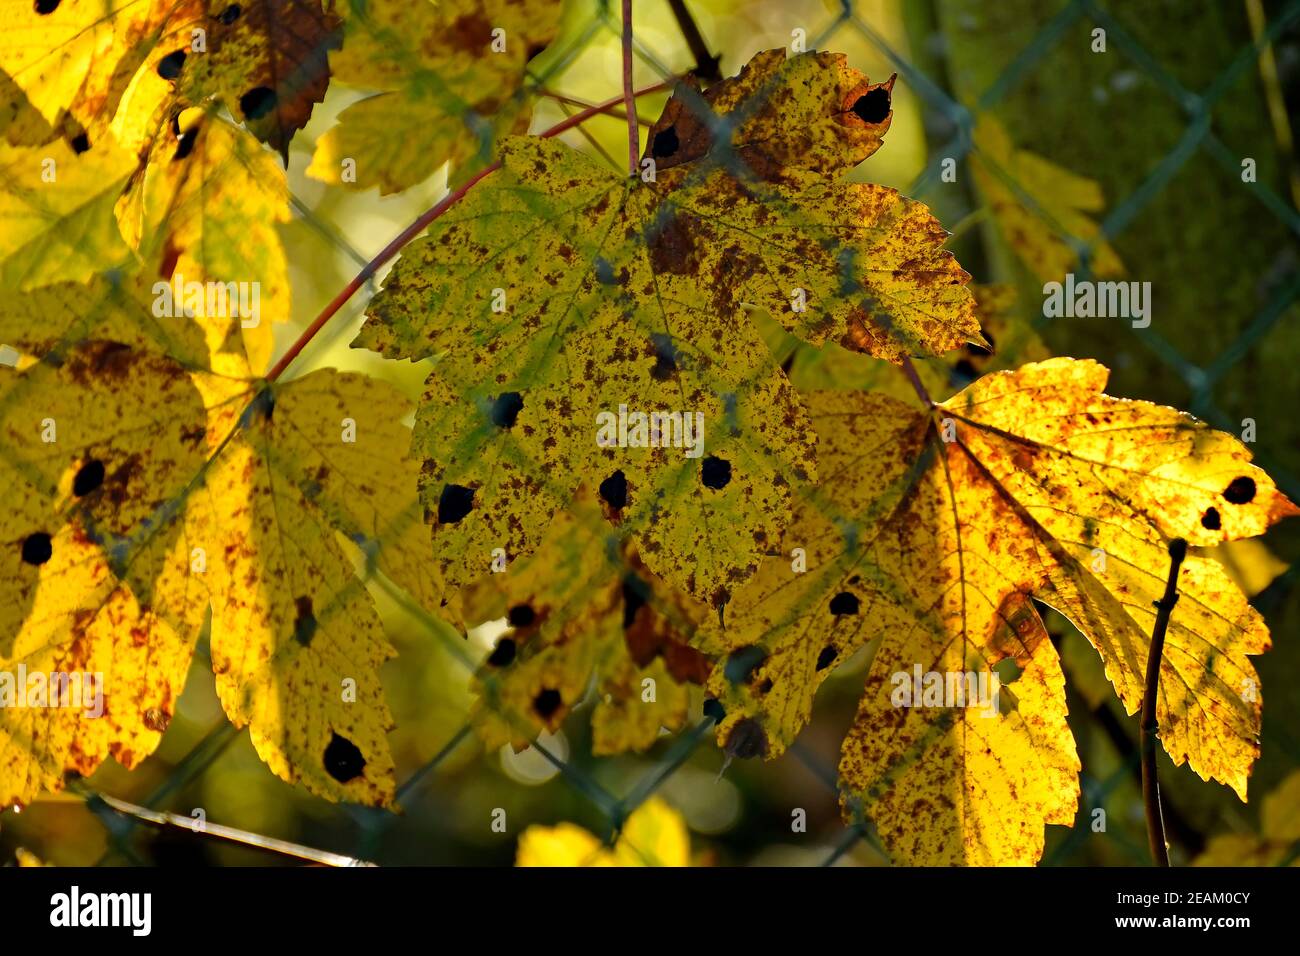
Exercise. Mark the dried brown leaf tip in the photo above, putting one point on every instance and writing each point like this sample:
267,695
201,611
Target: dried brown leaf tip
788,115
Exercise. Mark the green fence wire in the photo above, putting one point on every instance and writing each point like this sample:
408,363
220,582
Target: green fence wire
943,111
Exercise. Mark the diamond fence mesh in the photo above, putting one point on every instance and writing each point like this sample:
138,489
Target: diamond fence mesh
950,121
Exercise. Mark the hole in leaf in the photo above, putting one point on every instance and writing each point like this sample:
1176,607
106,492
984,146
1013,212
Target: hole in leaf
844,603
715,472
1211,519
613,491
36,548
44,7
169,67
521,615
503,654
455,502
230,14
80,143
1241,491
89,477
873,106
547,703
304,625
713,708
343,761
827,657
184,145
505,409
257,102
666,143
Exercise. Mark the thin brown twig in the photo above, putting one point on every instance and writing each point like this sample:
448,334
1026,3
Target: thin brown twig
233,834
910,371
422,223
1150,725
629,97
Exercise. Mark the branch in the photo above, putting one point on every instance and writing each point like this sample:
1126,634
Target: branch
417,227
1150,726
910,371
234,835
706,63
629,97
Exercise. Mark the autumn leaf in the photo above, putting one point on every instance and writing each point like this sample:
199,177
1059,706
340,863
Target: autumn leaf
56,213
581,291
928,551
296,640
450,79
268,61
1009,340
96,561
204,209
1278,838
582,613
654,835
76,57
1039,206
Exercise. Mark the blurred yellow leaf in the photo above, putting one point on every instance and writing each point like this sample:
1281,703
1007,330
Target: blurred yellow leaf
654,835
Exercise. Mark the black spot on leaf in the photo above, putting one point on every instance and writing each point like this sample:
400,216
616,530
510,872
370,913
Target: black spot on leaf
547,703
455,502
257,102
613,491
304,624
505,409
36,548
1211,519
169,67
844,603
873,106
503,654
666,143
44,7
343,761
521,615
715,472
827,657
713,708
747,739
1241,491
742,662
634,597
230,14
80,143
89,477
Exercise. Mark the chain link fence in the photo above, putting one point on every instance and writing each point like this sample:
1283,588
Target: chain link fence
955,118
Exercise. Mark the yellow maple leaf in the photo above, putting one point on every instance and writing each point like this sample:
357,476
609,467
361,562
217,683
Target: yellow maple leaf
296,640
654,835
582,614
1040,206
202,213
587,295
451,77
56,213
928,536
1278,839
99,599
